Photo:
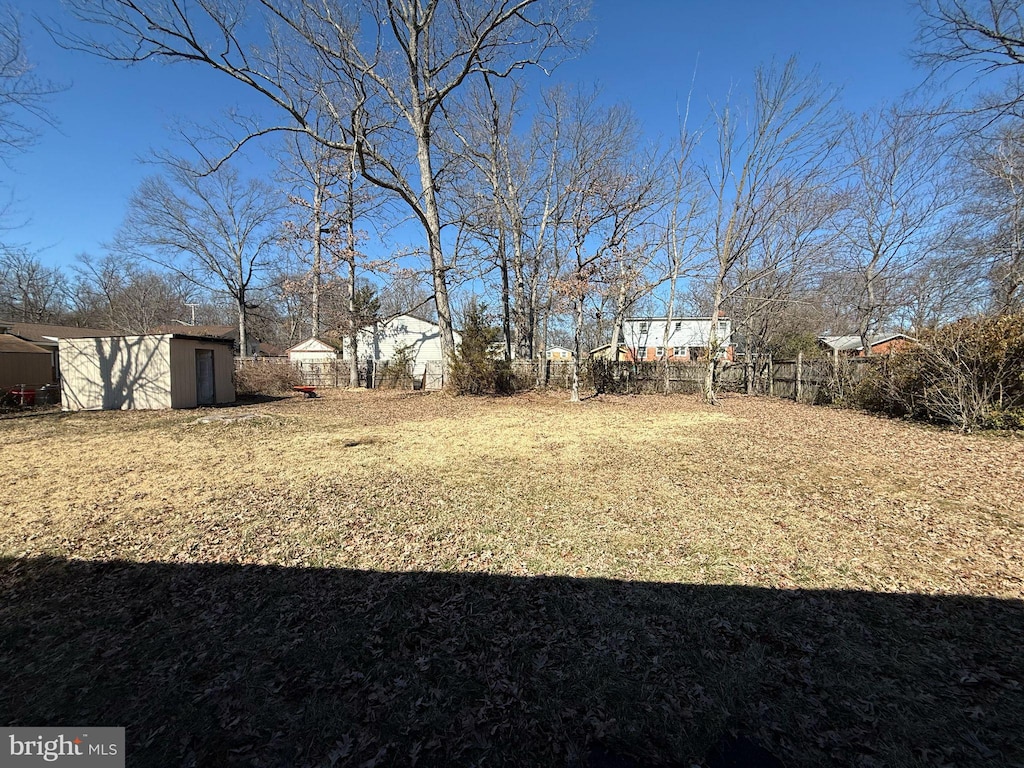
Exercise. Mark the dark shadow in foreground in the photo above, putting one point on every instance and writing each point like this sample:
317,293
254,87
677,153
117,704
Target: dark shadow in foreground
219,665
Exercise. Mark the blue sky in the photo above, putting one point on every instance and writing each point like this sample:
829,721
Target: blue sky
72,186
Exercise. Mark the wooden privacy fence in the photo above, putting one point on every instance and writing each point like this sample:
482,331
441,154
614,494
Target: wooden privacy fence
806,380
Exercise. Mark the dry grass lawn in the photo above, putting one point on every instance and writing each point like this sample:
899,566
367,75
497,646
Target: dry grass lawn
391,579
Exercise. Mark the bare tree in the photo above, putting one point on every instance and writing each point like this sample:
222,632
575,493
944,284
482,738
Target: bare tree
217,231
379,71
115,292
763,168
894,202
610,195
982,37
332,198
23,95
993,210
29,291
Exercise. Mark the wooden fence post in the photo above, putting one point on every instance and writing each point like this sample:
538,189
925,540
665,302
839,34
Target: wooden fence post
799,375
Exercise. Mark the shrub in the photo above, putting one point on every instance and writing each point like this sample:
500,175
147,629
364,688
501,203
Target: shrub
254,378
397,372
969,374
474,369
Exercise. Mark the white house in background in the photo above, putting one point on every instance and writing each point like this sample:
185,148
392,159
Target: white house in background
381,341
313,351
558,354
681,339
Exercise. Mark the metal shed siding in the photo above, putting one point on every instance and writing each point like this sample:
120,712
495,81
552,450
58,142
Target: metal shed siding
183,372
32,368
115,372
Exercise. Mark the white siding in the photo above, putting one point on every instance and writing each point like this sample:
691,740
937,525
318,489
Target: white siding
115,372
380,342
685,332
313,351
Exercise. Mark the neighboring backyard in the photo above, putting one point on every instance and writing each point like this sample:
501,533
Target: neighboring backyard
376,578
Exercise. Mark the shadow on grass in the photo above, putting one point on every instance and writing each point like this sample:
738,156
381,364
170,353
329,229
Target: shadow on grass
225,665
258,399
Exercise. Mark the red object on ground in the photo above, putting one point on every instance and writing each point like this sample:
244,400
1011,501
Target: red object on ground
24,395
307,391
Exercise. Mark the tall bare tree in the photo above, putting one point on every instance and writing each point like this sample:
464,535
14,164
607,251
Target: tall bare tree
893,205
218,231
993,208
610,195
766,162
380,71
331,199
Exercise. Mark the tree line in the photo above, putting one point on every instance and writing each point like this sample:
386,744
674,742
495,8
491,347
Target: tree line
778,209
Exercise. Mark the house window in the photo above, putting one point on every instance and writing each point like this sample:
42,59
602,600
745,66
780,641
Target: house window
679,325
643,327
723,330
659,351
678,351
641,353
698,352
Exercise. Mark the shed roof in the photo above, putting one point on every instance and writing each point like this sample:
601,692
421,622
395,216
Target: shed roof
189,336
44,334
11,343
211,331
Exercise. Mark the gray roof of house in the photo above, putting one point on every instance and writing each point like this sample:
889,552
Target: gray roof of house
853,343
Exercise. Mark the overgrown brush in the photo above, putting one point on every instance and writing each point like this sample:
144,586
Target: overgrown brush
475,370
969,374
265,379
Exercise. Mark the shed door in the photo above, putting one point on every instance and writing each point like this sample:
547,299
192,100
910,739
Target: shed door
204,377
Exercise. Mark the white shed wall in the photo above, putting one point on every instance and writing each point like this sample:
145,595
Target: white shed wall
115,372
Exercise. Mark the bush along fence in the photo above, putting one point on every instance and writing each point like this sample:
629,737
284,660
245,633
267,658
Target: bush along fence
275,375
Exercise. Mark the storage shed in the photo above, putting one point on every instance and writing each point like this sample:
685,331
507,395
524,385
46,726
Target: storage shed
313,350
22,362
168,370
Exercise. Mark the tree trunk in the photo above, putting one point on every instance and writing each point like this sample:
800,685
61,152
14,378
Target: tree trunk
709,376
506,319
243,338
243,333
315,326
353,329
575,392
868,311
438,269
